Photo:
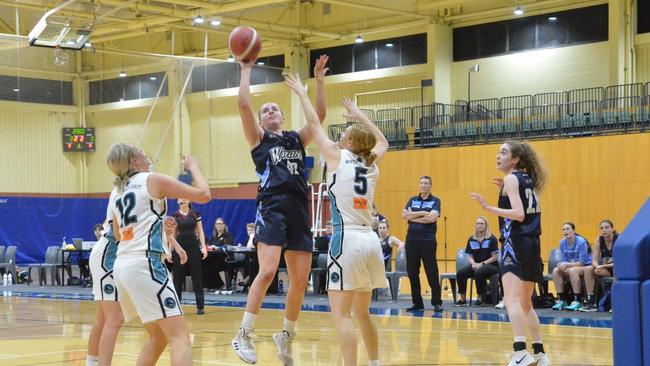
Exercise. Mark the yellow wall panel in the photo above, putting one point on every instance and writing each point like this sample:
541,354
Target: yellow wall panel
590,179
32,150
534,72
126,125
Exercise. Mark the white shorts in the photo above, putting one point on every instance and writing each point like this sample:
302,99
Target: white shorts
355,261
146,288
101,262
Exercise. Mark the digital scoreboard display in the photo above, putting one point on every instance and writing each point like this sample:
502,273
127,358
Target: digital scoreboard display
78,139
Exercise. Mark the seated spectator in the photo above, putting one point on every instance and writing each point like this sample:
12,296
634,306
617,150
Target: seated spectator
376,219
482,250
220,234
603,255
221,237
250,230
97,230
387,243
576,264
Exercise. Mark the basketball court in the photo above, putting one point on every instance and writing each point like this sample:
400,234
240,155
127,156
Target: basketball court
77,76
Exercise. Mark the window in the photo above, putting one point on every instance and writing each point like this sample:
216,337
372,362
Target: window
393,52
642,16
226,74
556,29
126,88
30,90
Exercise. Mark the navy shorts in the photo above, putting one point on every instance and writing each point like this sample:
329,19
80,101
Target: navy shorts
283,220
521,256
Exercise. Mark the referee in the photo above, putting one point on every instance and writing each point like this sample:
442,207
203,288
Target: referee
422,211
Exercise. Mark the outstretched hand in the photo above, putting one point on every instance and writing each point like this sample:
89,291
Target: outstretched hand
189,162
319,69
293,81
480,199
498,182
352,111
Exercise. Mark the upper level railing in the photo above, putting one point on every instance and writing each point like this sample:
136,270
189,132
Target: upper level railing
579,112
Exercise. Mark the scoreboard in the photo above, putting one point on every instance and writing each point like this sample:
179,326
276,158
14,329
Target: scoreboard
78,139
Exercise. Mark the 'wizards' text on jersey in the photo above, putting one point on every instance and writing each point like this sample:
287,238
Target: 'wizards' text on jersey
280,164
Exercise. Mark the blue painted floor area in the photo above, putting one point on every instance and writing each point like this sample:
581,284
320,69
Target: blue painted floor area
319,303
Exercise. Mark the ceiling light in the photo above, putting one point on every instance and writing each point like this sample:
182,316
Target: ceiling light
199,20
261,63
122,74
230,59
70,41
16,89
358,39
215,22
552,19
389,45
153,78
88,44
519,10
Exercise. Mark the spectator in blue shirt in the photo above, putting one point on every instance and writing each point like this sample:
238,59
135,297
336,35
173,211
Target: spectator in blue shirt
576,264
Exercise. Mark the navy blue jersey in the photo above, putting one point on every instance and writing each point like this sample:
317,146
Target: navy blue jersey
416,230
532,224
280,164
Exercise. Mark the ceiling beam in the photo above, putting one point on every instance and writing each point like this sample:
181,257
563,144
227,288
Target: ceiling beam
224,8
376,8
441,4
134,33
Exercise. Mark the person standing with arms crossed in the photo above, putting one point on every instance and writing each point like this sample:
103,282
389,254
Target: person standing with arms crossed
422,212
282,218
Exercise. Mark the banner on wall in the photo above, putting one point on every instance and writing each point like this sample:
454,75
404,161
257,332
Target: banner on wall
34,223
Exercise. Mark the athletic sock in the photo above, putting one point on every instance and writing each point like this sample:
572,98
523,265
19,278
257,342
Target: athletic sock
520,344
538,347
248,322
373,363
578,298
92,360
290,327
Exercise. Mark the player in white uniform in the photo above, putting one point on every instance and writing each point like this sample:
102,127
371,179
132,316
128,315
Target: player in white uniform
355,263
144,285
101,341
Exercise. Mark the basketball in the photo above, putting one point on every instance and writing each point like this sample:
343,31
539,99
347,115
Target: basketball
244,43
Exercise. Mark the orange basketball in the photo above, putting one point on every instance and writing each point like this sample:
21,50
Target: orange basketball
244,43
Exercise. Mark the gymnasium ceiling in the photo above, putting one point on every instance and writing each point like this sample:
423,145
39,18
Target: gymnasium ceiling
118,24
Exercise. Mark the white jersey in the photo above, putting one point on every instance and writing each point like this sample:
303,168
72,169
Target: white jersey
140,218
352,190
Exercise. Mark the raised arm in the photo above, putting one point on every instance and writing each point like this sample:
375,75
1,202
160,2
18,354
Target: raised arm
252,130
353,112
327,147
161,185
511,188
319,73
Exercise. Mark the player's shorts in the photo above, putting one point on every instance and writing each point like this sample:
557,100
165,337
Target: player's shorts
355,261
146,288
101,261
521,256
283,220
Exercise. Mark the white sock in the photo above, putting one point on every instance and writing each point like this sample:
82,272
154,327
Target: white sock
92,360
290,326
520,339
373,363
248,322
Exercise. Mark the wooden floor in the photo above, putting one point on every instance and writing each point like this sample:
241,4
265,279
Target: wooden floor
40,331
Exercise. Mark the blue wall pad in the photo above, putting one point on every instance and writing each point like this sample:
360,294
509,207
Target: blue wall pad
645,321
626,321
34,223
633,247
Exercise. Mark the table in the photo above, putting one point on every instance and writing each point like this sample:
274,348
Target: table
65,260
